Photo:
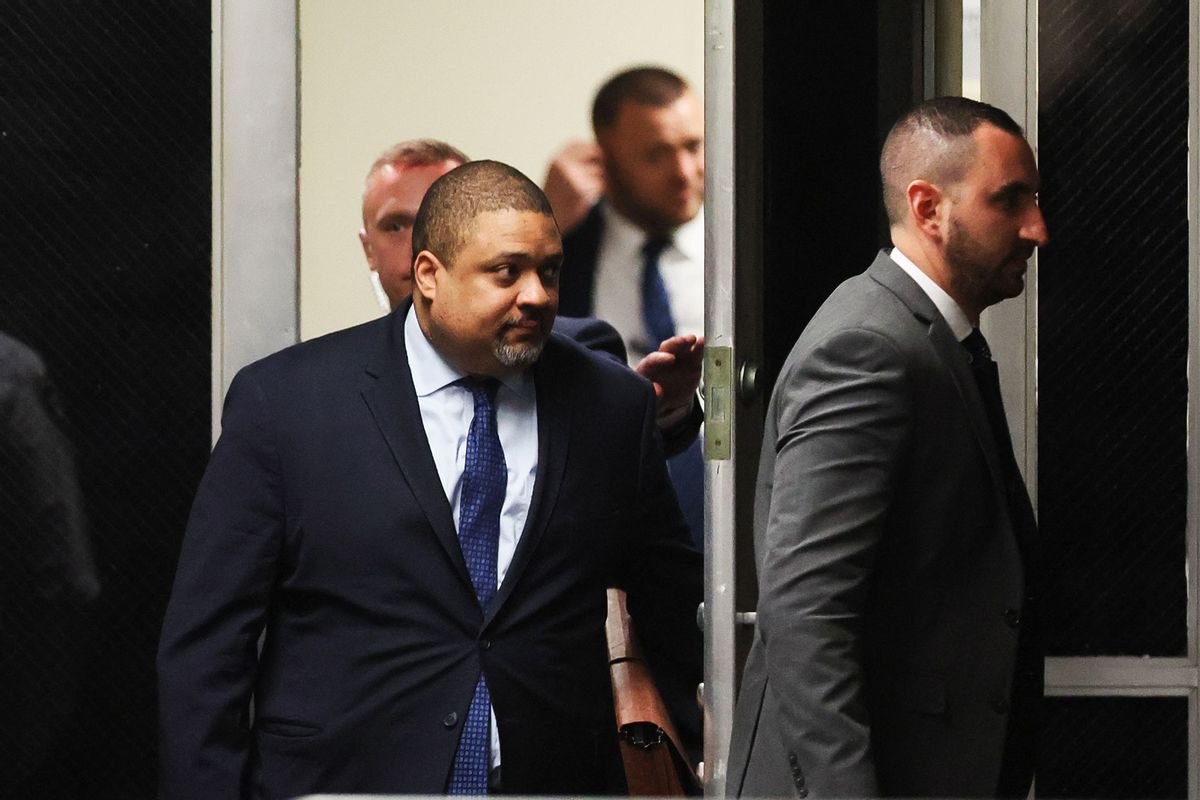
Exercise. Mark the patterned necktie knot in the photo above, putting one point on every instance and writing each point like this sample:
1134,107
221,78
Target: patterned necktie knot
977,346
483,390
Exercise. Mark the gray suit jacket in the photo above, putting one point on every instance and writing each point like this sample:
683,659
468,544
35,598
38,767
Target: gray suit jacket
886,559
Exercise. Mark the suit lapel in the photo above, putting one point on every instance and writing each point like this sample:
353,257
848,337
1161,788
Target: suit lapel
952,354
389,393
553,426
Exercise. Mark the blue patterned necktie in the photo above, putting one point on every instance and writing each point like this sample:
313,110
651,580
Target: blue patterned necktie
656,305
483,485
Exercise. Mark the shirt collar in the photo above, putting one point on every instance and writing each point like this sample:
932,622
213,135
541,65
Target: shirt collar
950,310
688,238
431,372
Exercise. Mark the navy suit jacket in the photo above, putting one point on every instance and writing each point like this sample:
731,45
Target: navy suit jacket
321,519
581,248
594,334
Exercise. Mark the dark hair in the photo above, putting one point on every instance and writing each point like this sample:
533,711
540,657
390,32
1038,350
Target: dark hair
449,208
934,141
418,153
651,86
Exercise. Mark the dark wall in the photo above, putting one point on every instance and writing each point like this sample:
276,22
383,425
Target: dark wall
1113,327
818,85
105,270
835,76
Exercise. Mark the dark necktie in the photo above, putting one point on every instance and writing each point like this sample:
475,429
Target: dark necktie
1017,766
483,485
656,305
987,378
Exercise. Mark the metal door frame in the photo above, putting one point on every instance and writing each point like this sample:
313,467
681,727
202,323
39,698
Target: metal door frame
720,510
255,147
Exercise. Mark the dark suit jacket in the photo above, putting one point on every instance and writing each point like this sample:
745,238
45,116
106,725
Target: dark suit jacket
594,334
581,248
322,519
598,335
888,563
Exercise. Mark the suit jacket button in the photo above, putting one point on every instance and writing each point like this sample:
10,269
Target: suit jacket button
451,719
801,792
1012,617
485,644
792,759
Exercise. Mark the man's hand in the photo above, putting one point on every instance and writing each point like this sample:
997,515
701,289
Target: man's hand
574,182
674,369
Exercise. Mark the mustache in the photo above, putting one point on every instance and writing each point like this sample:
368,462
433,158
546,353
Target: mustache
540,317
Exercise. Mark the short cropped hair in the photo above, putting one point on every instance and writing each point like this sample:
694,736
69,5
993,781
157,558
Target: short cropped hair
934,142
448,211
650,86
417,153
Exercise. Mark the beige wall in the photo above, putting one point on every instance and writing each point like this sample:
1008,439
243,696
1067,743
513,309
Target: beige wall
510,80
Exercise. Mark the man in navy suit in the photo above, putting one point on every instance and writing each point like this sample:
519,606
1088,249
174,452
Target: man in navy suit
637,258
649,128
340,516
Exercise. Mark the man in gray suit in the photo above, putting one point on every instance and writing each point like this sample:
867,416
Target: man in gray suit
897,649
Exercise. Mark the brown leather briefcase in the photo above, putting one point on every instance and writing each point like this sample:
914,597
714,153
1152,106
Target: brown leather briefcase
654,764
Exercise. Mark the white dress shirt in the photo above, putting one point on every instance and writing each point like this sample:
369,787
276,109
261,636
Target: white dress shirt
952,312
446,412
617,287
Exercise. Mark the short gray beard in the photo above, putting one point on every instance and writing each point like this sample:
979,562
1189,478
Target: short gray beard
516,356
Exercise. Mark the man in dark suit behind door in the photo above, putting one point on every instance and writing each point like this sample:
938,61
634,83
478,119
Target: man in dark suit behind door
423,514
897,646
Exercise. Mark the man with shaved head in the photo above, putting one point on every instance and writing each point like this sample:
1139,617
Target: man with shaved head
420,517
897,649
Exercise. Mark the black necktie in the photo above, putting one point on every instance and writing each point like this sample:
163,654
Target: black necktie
987,378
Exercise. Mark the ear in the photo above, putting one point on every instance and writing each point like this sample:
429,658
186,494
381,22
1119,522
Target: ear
926,205
425,269
366,246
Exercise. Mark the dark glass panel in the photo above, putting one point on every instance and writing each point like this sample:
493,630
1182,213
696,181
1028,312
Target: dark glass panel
105,219
1113,325
1114,747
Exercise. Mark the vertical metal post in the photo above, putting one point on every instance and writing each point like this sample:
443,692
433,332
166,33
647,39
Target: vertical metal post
719,509
255,212
1193,428
1010,83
